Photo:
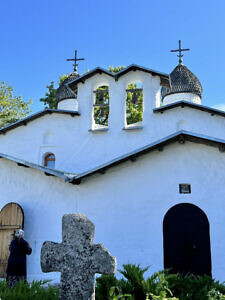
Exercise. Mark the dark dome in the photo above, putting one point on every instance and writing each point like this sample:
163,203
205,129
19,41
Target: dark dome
182,80
64,91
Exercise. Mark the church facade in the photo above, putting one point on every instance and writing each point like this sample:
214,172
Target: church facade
154,188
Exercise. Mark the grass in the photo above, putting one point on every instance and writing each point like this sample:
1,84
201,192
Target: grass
25,291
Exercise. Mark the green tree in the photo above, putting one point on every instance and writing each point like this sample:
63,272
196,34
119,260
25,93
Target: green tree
12,108
50,96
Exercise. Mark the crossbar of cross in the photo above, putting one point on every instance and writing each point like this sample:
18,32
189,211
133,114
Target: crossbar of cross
75,59
180,50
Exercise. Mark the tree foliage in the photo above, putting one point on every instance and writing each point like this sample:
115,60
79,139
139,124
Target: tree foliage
12,108
134,111
50,96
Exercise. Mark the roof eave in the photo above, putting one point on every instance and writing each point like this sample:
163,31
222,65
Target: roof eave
164,78
84,77
180,136
37,115
26,164
183,103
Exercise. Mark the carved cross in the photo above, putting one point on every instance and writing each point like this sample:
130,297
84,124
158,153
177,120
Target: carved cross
180,55
75,59
77,258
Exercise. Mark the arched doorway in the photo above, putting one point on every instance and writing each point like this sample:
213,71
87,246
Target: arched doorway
186,240
11,219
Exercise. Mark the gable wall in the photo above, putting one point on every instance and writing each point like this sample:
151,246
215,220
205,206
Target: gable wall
127,204
117,95
78,149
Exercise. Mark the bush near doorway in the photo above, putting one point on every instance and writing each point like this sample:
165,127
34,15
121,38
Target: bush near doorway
159,286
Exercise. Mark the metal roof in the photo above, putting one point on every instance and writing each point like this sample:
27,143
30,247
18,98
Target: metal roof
180,136
75,178
98,70
64,91
50,172
163,77
182,80
35,116
183,103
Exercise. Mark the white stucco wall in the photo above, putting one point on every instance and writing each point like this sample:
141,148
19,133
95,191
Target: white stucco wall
77,148
190,97
127,203
68,104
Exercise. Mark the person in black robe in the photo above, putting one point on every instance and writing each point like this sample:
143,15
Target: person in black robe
17,267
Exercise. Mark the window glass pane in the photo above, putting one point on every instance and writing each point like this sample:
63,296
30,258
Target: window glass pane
51,164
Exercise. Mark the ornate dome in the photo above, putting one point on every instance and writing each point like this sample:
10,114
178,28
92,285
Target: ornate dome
182,81
64,91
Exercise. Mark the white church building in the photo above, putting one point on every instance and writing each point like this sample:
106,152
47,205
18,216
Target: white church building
155,189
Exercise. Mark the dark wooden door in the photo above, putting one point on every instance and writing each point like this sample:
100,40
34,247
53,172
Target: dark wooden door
186,240
11,219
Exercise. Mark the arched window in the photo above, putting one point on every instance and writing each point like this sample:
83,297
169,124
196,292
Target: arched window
101,107
49,160
134,103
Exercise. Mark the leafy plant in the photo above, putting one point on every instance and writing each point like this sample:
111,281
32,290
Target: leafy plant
215,295
115,293
161,296
24,291
103,286
135,278
190,287
133,285
159,286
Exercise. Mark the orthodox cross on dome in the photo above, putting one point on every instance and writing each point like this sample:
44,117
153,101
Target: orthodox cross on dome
180,51
75,59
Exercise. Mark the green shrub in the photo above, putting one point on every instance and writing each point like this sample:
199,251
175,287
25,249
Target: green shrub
103,285
162,296
215,295
161,286
192,287
133,285
26,291
116,293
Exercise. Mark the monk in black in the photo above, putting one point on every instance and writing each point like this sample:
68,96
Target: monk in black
16,269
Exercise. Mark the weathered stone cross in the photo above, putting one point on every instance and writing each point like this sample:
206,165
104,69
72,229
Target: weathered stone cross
77,258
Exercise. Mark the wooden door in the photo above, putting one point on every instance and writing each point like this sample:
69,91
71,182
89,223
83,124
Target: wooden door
11,219
187,240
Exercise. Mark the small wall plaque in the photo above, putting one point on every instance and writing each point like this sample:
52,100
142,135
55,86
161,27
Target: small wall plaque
184,188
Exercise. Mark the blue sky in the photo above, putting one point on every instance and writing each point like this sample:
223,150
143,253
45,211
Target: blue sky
38,36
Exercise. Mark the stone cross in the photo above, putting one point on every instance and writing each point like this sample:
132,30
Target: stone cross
77,258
